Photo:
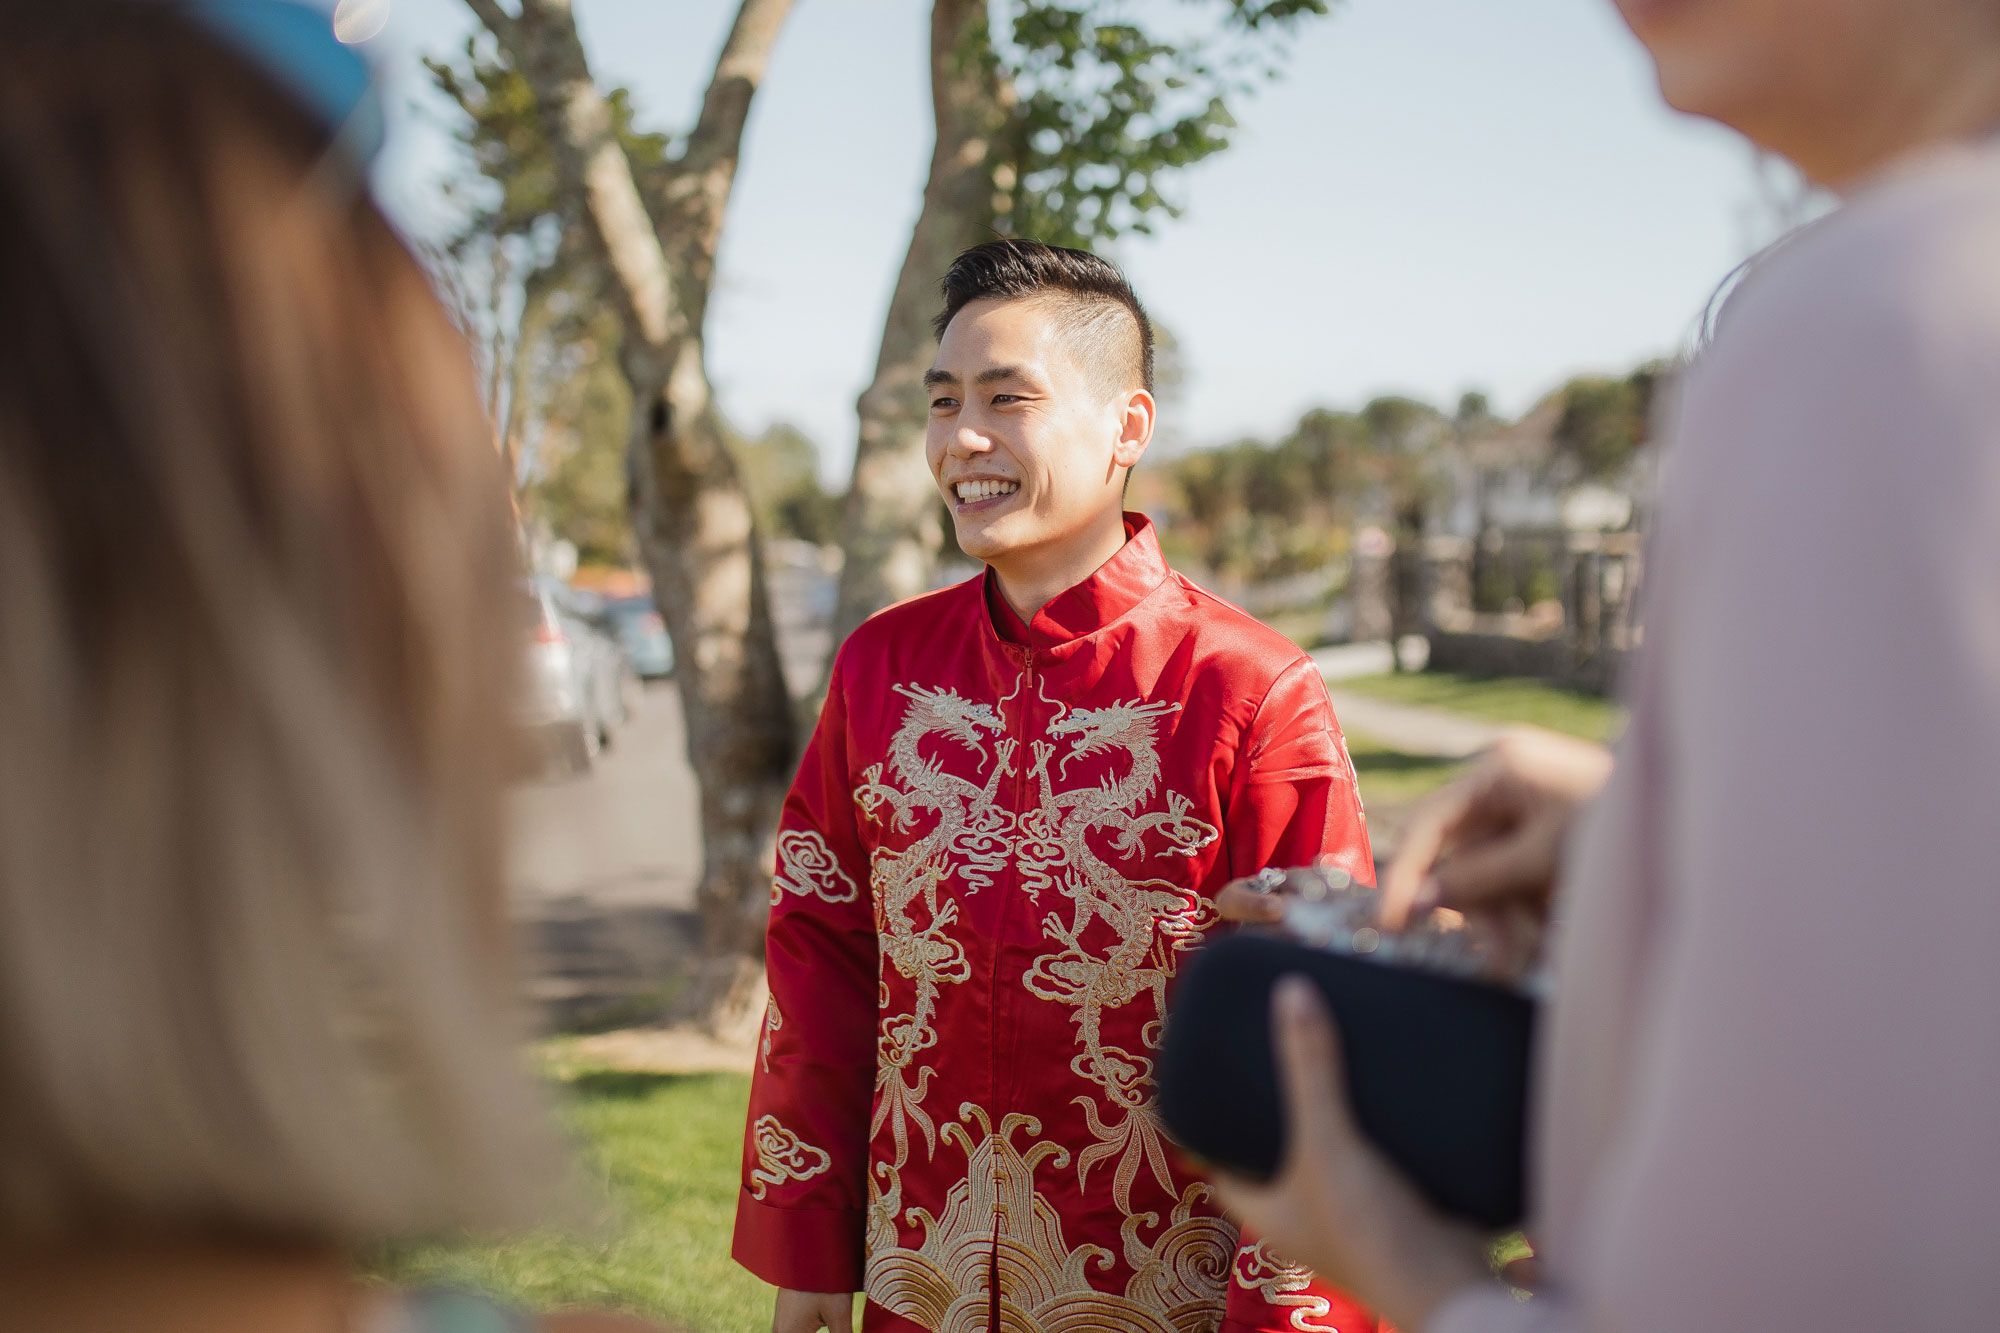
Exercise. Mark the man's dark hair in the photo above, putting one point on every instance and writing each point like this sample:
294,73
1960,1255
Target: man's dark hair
1096,304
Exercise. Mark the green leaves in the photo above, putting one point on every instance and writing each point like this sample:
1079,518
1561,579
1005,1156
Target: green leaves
1104,109
1605,420
503,136
1096,105
1257,511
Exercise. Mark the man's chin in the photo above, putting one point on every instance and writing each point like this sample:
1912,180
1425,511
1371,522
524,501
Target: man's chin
981,542
986,552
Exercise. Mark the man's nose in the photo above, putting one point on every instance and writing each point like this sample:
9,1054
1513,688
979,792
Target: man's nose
969,443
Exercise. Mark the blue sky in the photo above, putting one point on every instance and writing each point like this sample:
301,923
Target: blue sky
1439,195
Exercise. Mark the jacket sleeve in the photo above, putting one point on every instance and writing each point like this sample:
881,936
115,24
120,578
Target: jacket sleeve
801,1213
1294,800
1294,797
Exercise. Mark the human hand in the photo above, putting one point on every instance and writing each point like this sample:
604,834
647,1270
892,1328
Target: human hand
1488,842
1337,1205
1260,899
810,1311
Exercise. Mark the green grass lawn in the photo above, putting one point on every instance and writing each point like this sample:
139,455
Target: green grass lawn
664,1150
1391,778
1497,699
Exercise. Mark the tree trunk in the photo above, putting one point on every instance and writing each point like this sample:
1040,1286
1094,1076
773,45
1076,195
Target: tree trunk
693,516
699,540
1407,614
889,527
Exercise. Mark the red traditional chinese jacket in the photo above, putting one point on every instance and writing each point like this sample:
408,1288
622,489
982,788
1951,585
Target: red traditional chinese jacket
998,849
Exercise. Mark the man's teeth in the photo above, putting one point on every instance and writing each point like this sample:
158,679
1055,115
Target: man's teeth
968,491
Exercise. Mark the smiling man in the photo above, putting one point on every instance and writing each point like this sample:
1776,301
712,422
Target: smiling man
1023,794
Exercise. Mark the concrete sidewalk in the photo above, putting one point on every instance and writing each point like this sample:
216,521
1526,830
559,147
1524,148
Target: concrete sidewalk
1344,661
1420,731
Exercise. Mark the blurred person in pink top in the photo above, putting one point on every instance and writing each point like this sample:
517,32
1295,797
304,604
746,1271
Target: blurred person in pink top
1769,1087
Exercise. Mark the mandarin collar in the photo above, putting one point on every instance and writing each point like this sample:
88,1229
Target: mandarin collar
1120,583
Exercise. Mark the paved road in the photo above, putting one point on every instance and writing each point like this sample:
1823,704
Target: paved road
604,867
603,871
627,832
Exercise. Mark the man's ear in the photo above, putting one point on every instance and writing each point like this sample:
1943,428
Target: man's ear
1135,428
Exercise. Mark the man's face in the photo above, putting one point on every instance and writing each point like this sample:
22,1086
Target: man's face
1028,442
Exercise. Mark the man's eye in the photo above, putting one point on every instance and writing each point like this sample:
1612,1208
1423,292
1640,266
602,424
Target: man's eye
1006,398
938,404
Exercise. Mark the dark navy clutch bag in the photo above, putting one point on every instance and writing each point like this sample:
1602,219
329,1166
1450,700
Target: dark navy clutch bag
1437,1068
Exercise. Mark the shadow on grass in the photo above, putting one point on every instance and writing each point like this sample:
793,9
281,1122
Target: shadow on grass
595,966
623,1085
1396,761
1391,779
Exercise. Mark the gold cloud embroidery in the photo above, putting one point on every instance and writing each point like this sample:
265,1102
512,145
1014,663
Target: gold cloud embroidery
808,867
782,1156
1284,1285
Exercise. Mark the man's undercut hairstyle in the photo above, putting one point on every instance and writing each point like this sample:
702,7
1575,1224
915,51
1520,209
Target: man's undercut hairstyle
1095,305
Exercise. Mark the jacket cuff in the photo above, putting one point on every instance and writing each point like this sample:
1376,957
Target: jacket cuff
799,1249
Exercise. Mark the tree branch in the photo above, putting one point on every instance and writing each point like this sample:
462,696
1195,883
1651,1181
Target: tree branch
698,192
889,525
504,27
582,133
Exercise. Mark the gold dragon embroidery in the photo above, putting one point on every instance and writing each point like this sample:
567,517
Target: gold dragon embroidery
1180,1281
782,1156
969,836
1152,921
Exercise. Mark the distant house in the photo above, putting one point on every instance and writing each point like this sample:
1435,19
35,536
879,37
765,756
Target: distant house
1520,480
1533,561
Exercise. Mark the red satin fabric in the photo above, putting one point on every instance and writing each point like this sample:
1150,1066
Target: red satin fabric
996,854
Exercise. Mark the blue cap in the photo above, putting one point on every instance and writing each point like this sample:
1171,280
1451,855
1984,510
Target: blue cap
295,45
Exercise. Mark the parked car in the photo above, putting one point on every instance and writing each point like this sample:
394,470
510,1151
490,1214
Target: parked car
615,674
637,626
578,682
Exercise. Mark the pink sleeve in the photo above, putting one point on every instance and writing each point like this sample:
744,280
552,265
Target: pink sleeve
1804,1132
1488,1309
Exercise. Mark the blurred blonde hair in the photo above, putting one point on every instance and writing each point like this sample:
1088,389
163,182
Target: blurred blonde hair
257,642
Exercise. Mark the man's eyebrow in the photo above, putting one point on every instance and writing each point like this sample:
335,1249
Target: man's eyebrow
936,378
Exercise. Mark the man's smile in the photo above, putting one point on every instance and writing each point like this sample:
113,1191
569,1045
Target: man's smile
982,491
